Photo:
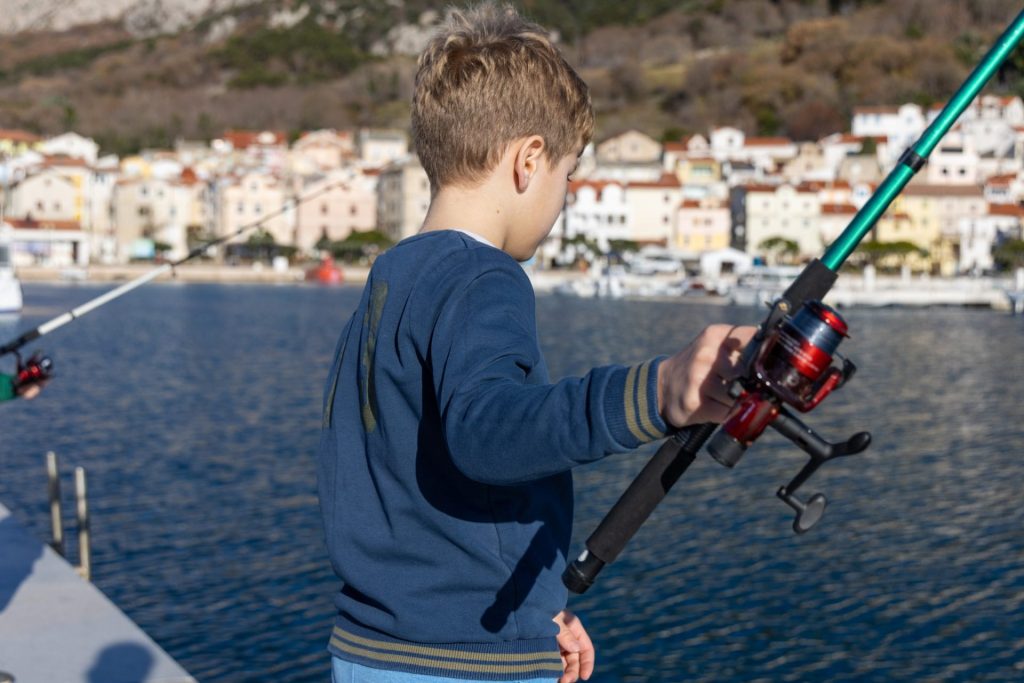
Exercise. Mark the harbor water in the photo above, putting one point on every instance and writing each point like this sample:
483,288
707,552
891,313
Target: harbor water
196,410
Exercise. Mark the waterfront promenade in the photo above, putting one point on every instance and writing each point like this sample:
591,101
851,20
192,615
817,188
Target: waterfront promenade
57,627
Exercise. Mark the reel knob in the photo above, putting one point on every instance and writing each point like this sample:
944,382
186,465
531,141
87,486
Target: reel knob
807,514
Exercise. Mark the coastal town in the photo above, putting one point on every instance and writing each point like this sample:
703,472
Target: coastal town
67,206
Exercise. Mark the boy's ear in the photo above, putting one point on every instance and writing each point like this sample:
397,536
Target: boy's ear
528,154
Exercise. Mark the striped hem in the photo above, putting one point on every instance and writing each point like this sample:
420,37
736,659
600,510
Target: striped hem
640,402
500,661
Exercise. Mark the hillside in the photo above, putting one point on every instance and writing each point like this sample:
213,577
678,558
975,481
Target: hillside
135,74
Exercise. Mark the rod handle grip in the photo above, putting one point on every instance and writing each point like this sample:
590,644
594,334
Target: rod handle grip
636,505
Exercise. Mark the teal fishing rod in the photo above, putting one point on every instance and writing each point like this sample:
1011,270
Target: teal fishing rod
790,363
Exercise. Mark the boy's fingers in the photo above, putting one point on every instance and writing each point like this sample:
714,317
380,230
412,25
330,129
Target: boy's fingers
570,668
587,654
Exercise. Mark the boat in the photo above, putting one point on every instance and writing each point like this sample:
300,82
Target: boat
10,287
327,273
763,284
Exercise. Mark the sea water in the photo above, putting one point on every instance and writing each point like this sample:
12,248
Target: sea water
196,409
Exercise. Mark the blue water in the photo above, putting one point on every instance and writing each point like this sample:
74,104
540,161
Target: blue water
195,410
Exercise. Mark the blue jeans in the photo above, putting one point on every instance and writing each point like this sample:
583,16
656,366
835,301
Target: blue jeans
347,672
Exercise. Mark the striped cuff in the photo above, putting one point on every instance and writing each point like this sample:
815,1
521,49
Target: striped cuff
631,404
500,661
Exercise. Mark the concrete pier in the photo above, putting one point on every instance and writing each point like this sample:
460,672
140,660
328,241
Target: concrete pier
57,627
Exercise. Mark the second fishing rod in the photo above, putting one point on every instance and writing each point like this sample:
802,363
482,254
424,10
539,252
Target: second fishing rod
790,364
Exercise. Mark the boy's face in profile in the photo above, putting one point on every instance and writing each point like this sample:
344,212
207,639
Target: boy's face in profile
548,188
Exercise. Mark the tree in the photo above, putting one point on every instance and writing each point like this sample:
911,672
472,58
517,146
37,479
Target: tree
779,249
1010,254
889,255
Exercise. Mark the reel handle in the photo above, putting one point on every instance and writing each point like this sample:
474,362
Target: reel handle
821,451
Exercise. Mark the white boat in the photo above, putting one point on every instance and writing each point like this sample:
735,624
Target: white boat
10,287
763,284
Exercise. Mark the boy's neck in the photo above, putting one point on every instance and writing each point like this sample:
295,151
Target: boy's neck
477,209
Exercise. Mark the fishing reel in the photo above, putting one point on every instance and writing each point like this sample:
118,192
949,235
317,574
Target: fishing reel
37,370
790,365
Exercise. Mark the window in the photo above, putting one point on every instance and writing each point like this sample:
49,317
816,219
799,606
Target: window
241,207
353,210
257,209
323,208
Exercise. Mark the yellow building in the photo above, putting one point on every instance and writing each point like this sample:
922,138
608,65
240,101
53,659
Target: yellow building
16,142
703,225
933,214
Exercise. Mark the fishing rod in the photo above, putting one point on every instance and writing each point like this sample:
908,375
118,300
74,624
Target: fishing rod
49,326
789,362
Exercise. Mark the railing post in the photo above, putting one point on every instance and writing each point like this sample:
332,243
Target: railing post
53,490
84,558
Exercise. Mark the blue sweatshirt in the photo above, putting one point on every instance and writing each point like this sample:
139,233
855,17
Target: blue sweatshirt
444,465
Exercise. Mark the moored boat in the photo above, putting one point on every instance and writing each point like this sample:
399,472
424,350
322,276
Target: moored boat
10,287
327,273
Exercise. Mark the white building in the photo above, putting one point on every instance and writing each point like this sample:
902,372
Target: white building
256,197
954,161
727,143
322,151
902,126
339,203
651,209
154,209
788,212
403,197
46,195
980,234
598,211
629,147
71,145
769,153
378,147
58,244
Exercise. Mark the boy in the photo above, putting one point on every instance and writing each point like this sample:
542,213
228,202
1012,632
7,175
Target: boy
445,455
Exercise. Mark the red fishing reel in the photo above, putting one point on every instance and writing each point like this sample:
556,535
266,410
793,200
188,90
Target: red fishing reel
37,370
792,364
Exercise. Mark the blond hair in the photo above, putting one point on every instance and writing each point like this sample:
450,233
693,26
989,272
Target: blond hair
487,79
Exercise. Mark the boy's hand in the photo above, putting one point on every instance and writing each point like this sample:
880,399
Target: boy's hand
576,649
693,385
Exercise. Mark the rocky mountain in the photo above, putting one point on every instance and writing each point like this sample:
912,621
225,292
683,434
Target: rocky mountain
140,17
137,73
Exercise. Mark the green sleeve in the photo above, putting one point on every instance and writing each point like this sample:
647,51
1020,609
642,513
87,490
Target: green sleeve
6,387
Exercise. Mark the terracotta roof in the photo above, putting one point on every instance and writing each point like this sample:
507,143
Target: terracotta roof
1006,210
925,190
188,177
1001,179
767,142
760,187
244,139
666,180
838,209
703,204
32,223
16,135
674,146
61,160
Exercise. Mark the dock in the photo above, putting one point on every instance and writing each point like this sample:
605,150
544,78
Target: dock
57,627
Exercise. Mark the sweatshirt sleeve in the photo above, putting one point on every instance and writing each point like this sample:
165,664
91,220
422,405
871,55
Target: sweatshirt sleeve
7,391
501,429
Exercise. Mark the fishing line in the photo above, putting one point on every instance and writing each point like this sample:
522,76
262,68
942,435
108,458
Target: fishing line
105,298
